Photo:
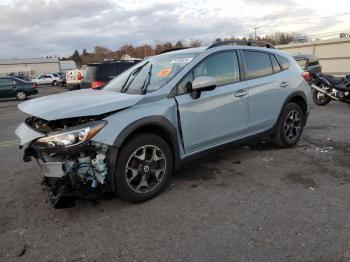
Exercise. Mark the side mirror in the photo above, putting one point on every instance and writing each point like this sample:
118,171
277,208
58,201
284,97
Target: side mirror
201,83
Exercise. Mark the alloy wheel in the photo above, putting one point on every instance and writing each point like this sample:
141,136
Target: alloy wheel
21,95
292,125
145,169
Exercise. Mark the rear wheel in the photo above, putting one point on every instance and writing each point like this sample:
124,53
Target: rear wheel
320,99
144,166
54,83
21,95
290,126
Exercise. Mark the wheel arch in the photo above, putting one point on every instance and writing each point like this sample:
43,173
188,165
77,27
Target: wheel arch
158,125
300,99
297,97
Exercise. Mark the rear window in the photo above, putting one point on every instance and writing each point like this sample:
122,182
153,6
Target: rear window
258,64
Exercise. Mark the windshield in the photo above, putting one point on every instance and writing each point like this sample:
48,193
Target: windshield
152,74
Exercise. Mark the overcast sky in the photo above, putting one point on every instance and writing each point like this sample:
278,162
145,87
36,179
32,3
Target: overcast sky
39,28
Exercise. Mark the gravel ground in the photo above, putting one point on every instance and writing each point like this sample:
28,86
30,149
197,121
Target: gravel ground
257,203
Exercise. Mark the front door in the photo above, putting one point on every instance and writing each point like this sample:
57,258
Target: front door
217,116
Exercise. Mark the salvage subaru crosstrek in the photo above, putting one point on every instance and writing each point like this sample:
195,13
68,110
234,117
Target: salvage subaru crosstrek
130,136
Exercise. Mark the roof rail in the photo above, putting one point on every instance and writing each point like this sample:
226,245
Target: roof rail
243,42
171,49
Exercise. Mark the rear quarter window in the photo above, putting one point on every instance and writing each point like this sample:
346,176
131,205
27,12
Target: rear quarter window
275,65
284,62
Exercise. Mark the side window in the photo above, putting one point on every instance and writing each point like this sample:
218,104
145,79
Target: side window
222,66
284,62
42,77
275,65
258,64
5,82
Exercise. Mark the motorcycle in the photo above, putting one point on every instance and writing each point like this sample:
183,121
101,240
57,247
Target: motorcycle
327,88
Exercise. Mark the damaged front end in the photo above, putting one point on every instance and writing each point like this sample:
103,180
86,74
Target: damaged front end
73,165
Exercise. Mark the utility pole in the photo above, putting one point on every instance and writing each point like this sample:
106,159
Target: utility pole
255,28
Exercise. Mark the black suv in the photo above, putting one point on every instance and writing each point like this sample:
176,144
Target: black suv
98,75
308,63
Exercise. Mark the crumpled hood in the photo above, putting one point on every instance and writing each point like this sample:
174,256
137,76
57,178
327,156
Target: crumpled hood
85,102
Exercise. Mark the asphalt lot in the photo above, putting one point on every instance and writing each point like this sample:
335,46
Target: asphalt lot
257,203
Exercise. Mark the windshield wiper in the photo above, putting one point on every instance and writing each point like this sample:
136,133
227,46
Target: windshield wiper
147,81
134,73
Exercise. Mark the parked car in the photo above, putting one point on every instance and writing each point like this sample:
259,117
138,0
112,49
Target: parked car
98,75
308,63
47,79
14,87
22,77
130,136
73,78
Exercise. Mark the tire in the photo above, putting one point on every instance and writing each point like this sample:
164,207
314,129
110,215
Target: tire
317,99
290,126
21,95
54,83
138,178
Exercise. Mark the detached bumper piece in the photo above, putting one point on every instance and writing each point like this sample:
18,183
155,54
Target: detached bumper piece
63,194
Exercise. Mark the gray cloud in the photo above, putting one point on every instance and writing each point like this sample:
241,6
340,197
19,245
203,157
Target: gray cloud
39,28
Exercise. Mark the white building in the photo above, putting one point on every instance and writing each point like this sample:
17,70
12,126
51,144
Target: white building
33,66
333,54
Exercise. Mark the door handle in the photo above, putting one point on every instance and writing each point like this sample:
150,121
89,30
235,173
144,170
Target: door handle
241,93
284,84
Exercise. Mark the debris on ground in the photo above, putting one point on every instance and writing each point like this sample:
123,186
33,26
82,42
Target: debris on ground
23,251
324,149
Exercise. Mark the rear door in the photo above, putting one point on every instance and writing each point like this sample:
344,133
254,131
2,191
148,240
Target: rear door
217,116
268,89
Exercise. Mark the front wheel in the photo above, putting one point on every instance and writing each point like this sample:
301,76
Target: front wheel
144,166
320,99
290,126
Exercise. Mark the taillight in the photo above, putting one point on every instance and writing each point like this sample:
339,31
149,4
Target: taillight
306,75
96,84
79,76
34,85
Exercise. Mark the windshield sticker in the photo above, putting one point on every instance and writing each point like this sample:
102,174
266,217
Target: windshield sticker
181,60
164,72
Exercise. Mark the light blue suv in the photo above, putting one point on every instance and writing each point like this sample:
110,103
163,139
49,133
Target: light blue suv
131,136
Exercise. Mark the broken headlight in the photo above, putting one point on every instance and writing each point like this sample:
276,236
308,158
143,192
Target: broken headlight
71,137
